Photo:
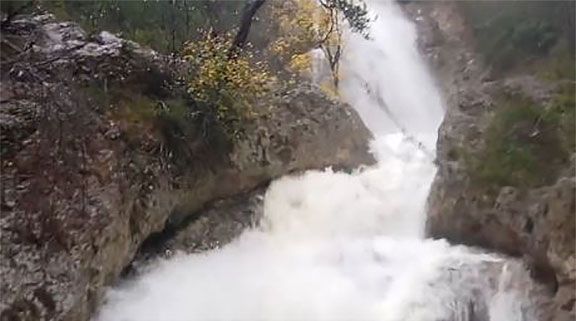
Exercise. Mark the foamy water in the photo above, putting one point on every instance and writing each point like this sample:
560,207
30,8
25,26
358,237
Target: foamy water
338,246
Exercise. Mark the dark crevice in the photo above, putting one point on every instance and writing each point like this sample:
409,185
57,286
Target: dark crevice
529,226
155,244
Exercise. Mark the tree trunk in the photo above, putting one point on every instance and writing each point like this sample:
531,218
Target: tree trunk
250,9
173,25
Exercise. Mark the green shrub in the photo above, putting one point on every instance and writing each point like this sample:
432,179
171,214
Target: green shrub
139,112
224,88
523,146
163,25
564,110
560,66
509,33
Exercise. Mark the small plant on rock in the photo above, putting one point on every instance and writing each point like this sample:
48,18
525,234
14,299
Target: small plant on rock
224,87
524,146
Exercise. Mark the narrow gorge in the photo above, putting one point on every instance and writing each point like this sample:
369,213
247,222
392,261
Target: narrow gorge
389,200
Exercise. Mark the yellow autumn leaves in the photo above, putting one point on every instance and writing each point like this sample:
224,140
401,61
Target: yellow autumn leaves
305,25
214,70
226,86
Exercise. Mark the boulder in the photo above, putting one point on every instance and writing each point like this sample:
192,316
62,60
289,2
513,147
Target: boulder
86,180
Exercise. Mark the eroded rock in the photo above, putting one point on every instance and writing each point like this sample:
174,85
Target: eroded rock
535,222
83,184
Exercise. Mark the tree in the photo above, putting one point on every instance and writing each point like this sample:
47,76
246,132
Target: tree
248,13
357,17
163,25
307,24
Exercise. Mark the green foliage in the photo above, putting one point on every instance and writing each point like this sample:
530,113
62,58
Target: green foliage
533,37
223,88
523,146
304,25
163,25
12,6
139,113
559,65
136,109
178,128
563,109
354,12
509,33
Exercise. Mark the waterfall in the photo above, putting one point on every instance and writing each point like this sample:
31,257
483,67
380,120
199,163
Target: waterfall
339,246
391,66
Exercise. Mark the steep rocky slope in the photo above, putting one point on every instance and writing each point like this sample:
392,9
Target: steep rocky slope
97,155
505,154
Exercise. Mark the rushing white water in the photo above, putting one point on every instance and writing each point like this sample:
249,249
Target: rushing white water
336,246
391,67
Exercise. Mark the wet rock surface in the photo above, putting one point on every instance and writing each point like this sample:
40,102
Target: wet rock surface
536,223
216,225
84,184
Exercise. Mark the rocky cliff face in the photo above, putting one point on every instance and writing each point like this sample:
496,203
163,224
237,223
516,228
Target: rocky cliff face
505,181
94,160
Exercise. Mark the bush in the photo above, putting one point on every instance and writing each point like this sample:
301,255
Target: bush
511,32
162,25
523,146
224,88
564,110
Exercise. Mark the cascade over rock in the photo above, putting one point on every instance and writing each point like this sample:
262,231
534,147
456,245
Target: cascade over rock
533,222
343,246
88,176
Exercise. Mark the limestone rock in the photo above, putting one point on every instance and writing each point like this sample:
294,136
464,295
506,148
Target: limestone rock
536,223
83,185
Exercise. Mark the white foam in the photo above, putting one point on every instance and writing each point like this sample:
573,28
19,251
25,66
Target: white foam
337,246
